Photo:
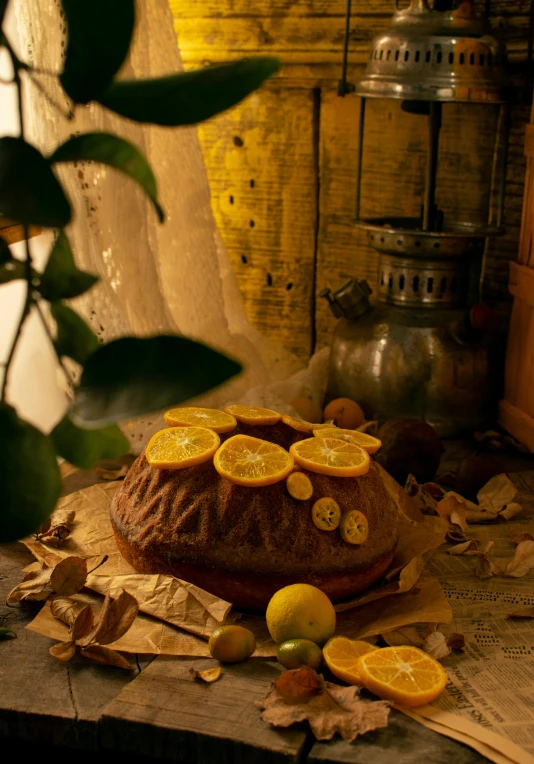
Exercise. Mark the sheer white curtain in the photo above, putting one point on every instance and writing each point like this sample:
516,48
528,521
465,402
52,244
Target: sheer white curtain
173,277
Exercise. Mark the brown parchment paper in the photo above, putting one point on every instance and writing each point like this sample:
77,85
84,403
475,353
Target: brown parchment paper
176,617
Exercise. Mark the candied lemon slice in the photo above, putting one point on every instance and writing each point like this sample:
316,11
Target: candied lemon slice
178,447
299,486
301,425
370,444
354,527
216,420
252,462
405,675
331,456
253,414
341,656
326,514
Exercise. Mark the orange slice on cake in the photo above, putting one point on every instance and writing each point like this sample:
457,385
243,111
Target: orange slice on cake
301,425
179,447
331,456
252,462
253,414
405,675
216,420
341,656
370,444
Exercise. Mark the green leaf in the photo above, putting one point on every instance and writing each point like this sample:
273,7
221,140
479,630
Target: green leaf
115,152
3,6
190,97
29,191
133,376
30,483
84,448
61,279
74,337
6,633
5,252
99,35
12,270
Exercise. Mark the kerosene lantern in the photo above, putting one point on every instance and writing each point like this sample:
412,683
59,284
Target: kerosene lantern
414,352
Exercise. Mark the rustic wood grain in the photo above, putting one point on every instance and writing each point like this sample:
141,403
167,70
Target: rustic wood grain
166,713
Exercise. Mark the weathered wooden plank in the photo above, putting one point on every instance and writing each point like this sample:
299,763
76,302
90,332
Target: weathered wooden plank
404,741
165,713
262,168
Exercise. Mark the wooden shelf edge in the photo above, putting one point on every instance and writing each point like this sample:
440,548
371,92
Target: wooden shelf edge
517,423
14,232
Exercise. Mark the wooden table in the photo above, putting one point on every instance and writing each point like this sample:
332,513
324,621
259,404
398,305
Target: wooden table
159,711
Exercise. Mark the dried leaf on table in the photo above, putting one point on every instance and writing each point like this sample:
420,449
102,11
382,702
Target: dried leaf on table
6,633
466,546
453,510
208,675
35,586
497,494
498,441
524,612
456,641
485,568
407,635
63,517
63,651
106,655
329,709
55,536
488,546
456,535
425,495
522,561
511,510
114,620
523,536
78,617
436,645
69,575
298,685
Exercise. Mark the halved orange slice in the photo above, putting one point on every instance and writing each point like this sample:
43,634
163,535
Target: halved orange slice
331,456
180,447
341,656
370,444
354,527
301,425
405,675
252,462
216,420
253,414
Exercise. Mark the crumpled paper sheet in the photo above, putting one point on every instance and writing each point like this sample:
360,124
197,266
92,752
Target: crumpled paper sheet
176,603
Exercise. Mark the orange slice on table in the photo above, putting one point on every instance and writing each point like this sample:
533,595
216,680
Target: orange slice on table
370,444
216,420
253,414
405,675
252,462
331,456
341,656
178,447
301,425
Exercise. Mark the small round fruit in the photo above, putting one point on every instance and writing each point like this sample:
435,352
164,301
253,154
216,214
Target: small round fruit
300,611
299,652
354,527
345,413
231,644
307,409
326,514
409,446
299,486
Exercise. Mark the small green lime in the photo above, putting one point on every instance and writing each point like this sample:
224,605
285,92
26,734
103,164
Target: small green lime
231,644
299,652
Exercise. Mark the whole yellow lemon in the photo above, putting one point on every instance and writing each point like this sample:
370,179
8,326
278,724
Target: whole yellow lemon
300,611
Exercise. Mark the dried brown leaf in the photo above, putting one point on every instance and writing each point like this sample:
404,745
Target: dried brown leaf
511,510
497,493
436,645
114,620
456,535
407,635
69,576
63,651
55,536
63,517
106,655
452,510
83,623
208,675
425,495
34,586
329,710
112,474
524,612
463,548
523,536
485,568
65,609
299,685
477,518
522,561
456,641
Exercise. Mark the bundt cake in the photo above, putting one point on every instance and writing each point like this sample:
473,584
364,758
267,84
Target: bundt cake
244,543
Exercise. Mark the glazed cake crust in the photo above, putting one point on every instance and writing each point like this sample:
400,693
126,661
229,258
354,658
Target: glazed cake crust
244,543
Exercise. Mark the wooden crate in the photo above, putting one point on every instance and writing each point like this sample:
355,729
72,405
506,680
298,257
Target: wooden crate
517,408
